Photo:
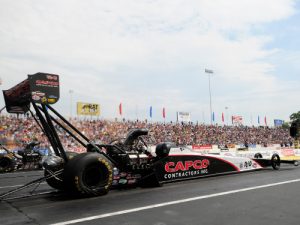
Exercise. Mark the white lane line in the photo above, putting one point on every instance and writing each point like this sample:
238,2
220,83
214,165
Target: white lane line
17,173
18,185
101,216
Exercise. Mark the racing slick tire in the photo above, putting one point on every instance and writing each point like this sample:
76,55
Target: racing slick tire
7,164
56,182
88,174
275,161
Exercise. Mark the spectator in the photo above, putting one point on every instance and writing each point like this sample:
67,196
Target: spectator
18,131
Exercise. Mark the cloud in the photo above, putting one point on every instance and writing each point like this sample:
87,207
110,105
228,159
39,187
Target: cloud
143,52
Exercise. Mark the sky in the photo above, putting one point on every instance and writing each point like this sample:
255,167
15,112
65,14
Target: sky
144,53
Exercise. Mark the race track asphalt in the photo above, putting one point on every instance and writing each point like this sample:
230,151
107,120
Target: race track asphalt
254,198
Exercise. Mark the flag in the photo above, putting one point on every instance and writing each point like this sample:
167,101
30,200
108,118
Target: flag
150,111
222,117
120,109
266,121
164,113
213,116
258,120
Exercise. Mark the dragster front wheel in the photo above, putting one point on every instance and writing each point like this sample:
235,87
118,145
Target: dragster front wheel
89,174
7,164
56,181
275,161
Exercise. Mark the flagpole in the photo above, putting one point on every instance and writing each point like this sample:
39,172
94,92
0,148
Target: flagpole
227,116
71,101
209,73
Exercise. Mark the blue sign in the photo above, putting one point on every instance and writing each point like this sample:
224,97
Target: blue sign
278,123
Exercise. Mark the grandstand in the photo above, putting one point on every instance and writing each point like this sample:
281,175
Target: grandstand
16,131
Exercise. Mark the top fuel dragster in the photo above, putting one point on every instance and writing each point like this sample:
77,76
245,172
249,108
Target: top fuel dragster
125,162
27,158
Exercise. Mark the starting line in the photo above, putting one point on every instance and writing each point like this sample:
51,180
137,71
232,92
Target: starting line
105,215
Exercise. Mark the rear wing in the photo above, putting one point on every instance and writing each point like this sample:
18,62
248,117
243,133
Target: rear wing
42,88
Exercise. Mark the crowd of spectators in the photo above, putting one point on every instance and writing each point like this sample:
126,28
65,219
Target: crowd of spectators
17,131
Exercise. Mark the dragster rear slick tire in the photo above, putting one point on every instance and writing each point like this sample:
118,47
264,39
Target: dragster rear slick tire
88,174
275,161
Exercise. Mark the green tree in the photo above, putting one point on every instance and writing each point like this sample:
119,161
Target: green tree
286,125
295,125
295,117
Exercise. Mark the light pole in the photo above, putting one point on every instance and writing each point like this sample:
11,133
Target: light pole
71,99
226,109
209,73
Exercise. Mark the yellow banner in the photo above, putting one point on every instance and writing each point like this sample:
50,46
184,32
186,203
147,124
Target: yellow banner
90,109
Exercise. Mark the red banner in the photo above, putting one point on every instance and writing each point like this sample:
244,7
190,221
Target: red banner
201,147
287,152
120,109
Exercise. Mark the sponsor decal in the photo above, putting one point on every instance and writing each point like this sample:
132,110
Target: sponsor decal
193,173
132,181
52,96
52,77
187,168
122,181
36,97
254,165
137,176
246,164
47,83
51,100
38,93
44,100
115,171
116,177
172,167
115,182
123,174
241,165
